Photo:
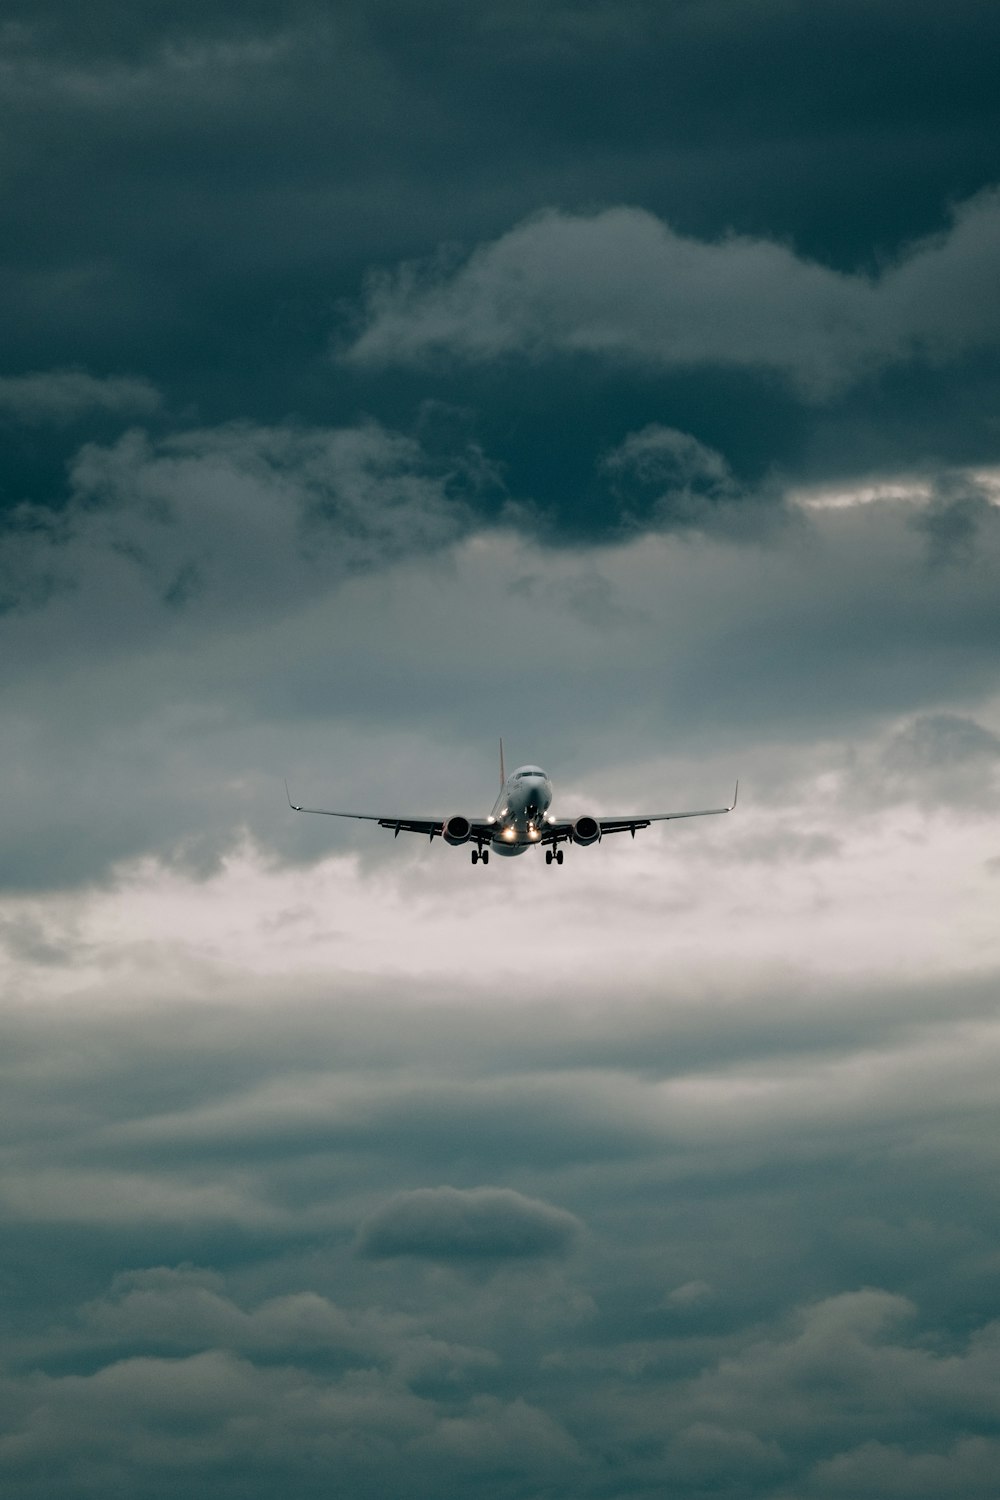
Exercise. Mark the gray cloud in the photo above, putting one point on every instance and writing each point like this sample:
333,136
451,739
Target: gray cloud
462,1224
952,523
938,760
233,518
623,285
168,546
662,477
64,395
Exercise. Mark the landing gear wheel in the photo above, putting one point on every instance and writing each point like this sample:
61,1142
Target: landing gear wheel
475,856
485,856
559,857
548,856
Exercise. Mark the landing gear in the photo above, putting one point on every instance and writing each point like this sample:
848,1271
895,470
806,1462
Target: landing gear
553,854
480,854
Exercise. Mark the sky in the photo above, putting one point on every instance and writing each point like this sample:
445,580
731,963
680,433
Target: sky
378,379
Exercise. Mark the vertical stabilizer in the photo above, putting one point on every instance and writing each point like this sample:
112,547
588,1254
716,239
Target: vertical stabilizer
503,778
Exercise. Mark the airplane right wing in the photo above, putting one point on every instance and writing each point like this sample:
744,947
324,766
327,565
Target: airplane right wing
629,823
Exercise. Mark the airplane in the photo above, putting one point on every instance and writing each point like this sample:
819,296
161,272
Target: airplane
520,820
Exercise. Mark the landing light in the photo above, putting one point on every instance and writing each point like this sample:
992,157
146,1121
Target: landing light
508,833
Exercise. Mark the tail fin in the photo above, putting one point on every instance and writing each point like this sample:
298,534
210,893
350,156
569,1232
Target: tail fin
503,778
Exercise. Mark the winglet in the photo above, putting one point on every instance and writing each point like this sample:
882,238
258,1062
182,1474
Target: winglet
735,795
295,806
503,778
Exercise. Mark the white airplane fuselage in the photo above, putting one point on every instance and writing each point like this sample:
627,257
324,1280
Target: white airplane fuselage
520,810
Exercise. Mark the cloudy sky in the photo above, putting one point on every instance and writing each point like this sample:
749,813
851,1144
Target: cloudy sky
376,379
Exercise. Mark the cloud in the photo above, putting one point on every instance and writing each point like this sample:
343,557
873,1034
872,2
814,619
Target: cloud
211,1410
245,512
623,286
960,508
236,518
939,760
170,550
666,478
232,520
472,1224
63,396
188,1309
690,1294
966,1470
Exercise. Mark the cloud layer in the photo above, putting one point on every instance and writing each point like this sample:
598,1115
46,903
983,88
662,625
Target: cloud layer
755,1304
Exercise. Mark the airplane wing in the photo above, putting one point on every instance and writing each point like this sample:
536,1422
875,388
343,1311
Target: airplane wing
630,822
431,827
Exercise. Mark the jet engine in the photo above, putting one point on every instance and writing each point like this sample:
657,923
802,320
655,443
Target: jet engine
586,830
457,830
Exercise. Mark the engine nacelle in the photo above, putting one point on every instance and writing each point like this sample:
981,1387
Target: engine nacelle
586,830
457,830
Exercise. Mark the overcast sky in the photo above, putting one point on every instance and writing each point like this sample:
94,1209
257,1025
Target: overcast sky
377,379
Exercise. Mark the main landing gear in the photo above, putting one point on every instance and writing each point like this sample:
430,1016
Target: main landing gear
553,854
480,854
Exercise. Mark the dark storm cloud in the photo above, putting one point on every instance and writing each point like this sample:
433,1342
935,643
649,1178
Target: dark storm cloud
471,1224
192,194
